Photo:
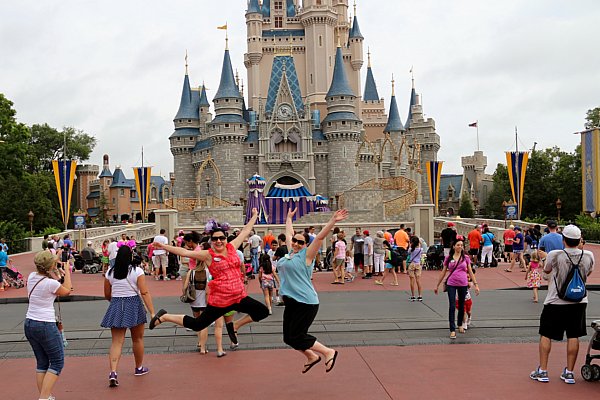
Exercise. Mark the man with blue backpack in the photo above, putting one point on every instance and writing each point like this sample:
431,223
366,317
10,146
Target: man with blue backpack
566,302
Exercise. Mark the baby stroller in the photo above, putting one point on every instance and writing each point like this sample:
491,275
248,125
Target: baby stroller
13,277
172,266
591,372
498,252
248,268
434,257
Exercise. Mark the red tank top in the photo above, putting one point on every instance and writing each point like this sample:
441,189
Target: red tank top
227,286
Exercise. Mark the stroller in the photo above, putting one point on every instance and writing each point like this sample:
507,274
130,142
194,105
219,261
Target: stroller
591,372
498,252
172,266
13,277
434,257
248,268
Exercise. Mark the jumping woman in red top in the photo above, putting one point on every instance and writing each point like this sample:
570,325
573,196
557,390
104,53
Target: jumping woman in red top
227,291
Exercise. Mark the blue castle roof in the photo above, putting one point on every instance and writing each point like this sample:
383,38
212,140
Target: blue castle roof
105,173
291,8
394,124
227,86
185,132
339,83
266,8
355,32
186,105
413,101
281,64
371,93
253,7
119,180
203,99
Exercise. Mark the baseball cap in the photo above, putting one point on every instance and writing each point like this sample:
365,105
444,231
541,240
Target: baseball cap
551,223
518,228
571,232
450,223
89,243
44,260
366,233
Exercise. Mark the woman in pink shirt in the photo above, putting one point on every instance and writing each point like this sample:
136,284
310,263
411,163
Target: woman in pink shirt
459,268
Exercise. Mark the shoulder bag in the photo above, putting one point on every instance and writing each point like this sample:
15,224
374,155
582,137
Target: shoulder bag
449,275
189,291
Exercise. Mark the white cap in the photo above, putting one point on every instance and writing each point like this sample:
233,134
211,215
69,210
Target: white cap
571,232
89,243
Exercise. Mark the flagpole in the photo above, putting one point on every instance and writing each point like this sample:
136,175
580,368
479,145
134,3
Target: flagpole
65,196
477,126
518,171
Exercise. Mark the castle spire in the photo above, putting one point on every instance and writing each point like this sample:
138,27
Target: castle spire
355,32
203,98
394,124
413,101
186,106
253,7
227,86
370,93
339,83
186,62
266,8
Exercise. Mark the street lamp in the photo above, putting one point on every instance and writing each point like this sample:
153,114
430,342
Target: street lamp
558,207
504,206
30,215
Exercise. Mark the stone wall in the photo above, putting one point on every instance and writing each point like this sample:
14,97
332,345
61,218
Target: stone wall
232,215
230,159
341,169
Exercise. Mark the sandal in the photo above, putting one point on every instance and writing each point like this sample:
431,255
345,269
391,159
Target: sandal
156,318
332,361
507,270
308,366
452,335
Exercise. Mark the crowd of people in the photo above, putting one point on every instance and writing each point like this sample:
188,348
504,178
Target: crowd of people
213,264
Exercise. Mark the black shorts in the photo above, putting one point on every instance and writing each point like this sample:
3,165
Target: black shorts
359,259
198,309
557,319
508,248
474,252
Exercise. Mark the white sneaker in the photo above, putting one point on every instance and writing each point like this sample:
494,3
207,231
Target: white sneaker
464,325
469,321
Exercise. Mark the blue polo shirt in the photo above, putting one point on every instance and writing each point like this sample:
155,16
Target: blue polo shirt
295,278
3,259
521,244
551,241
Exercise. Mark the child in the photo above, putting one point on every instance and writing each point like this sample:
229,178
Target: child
267,278
533,275
468,306
105,256
414,268
388,265
348,276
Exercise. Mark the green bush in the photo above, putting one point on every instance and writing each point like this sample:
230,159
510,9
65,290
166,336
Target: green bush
14,234
590,227
49,230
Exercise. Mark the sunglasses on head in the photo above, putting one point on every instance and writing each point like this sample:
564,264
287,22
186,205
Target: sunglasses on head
216,238
300,242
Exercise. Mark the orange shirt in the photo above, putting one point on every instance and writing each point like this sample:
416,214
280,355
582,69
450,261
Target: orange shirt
388,237
475,239
401,238
267,240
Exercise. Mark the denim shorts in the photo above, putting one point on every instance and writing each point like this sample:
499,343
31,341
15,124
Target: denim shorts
47,344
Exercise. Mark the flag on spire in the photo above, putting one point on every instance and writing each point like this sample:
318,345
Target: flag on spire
222,27
473,125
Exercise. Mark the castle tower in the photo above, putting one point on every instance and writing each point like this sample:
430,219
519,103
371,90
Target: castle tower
421,131
342,128
395,129
205,115
183,140
227,132
473,174
85,175
254,29
355,44
372,107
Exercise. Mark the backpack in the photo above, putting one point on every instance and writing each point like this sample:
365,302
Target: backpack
200,279
396,259
573,288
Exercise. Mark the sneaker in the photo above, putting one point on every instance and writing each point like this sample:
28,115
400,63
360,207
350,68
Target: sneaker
167,278
419,298
412,298
270,311
112,379
379,283
540,376
51,397
568,377
234,346
141,371
156,278
469,321
178,278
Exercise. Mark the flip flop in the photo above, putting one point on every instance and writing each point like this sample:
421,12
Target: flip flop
332,361
507,270
156,318
307,367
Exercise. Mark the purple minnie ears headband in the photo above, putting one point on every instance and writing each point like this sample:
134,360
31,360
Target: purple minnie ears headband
213,225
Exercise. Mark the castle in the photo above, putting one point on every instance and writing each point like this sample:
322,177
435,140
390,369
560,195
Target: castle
307,121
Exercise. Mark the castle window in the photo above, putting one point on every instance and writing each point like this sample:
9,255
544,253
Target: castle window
114,201
132,194
153,193
226,125
251,145
279,5
319,143
279,23
178,139
122,192
189,120
329,124
226,100
344,152
240,126
342,98
343,122
320,41
228,154
311,79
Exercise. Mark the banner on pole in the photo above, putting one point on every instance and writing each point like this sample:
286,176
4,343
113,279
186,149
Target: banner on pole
142,184
434,174
516,163
590,170
64,175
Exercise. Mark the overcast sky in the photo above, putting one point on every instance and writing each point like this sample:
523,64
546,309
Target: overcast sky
115,68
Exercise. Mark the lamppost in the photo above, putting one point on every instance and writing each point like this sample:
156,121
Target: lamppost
504,206
30,215
558,207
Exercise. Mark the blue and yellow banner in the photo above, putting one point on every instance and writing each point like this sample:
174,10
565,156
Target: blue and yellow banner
516,163
590,170
434,175
64,175
142,184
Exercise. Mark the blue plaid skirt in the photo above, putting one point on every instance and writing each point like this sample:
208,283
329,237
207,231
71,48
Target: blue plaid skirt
124,312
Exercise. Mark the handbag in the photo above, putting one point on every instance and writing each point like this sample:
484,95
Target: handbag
189,291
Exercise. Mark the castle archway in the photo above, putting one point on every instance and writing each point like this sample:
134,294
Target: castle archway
286,178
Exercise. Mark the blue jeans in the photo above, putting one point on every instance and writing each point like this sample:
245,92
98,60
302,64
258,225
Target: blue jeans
47,344
462,293
254,255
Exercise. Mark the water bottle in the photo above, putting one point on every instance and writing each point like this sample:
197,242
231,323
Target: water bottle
64,339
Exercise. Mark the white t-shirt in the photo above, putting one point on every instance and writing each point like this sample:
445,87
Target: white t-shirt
41,299
112,250
560,264
160,239
123,287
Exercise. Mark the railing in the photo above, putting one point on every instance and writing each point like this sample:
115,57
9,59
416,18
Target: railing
390,183
191,204
285,156
399,205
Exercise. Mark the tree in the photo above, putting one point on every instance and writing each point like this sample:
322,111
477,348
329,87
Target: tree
500,193
592,118
13,150
466,206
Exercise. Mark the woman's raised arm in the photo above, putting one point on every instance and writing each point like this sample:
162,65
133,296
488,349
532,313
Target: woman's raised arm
313,249
245,230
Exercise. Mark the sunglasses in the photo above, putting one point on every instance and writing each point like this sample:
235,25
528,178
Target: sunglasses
300,242
218,238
